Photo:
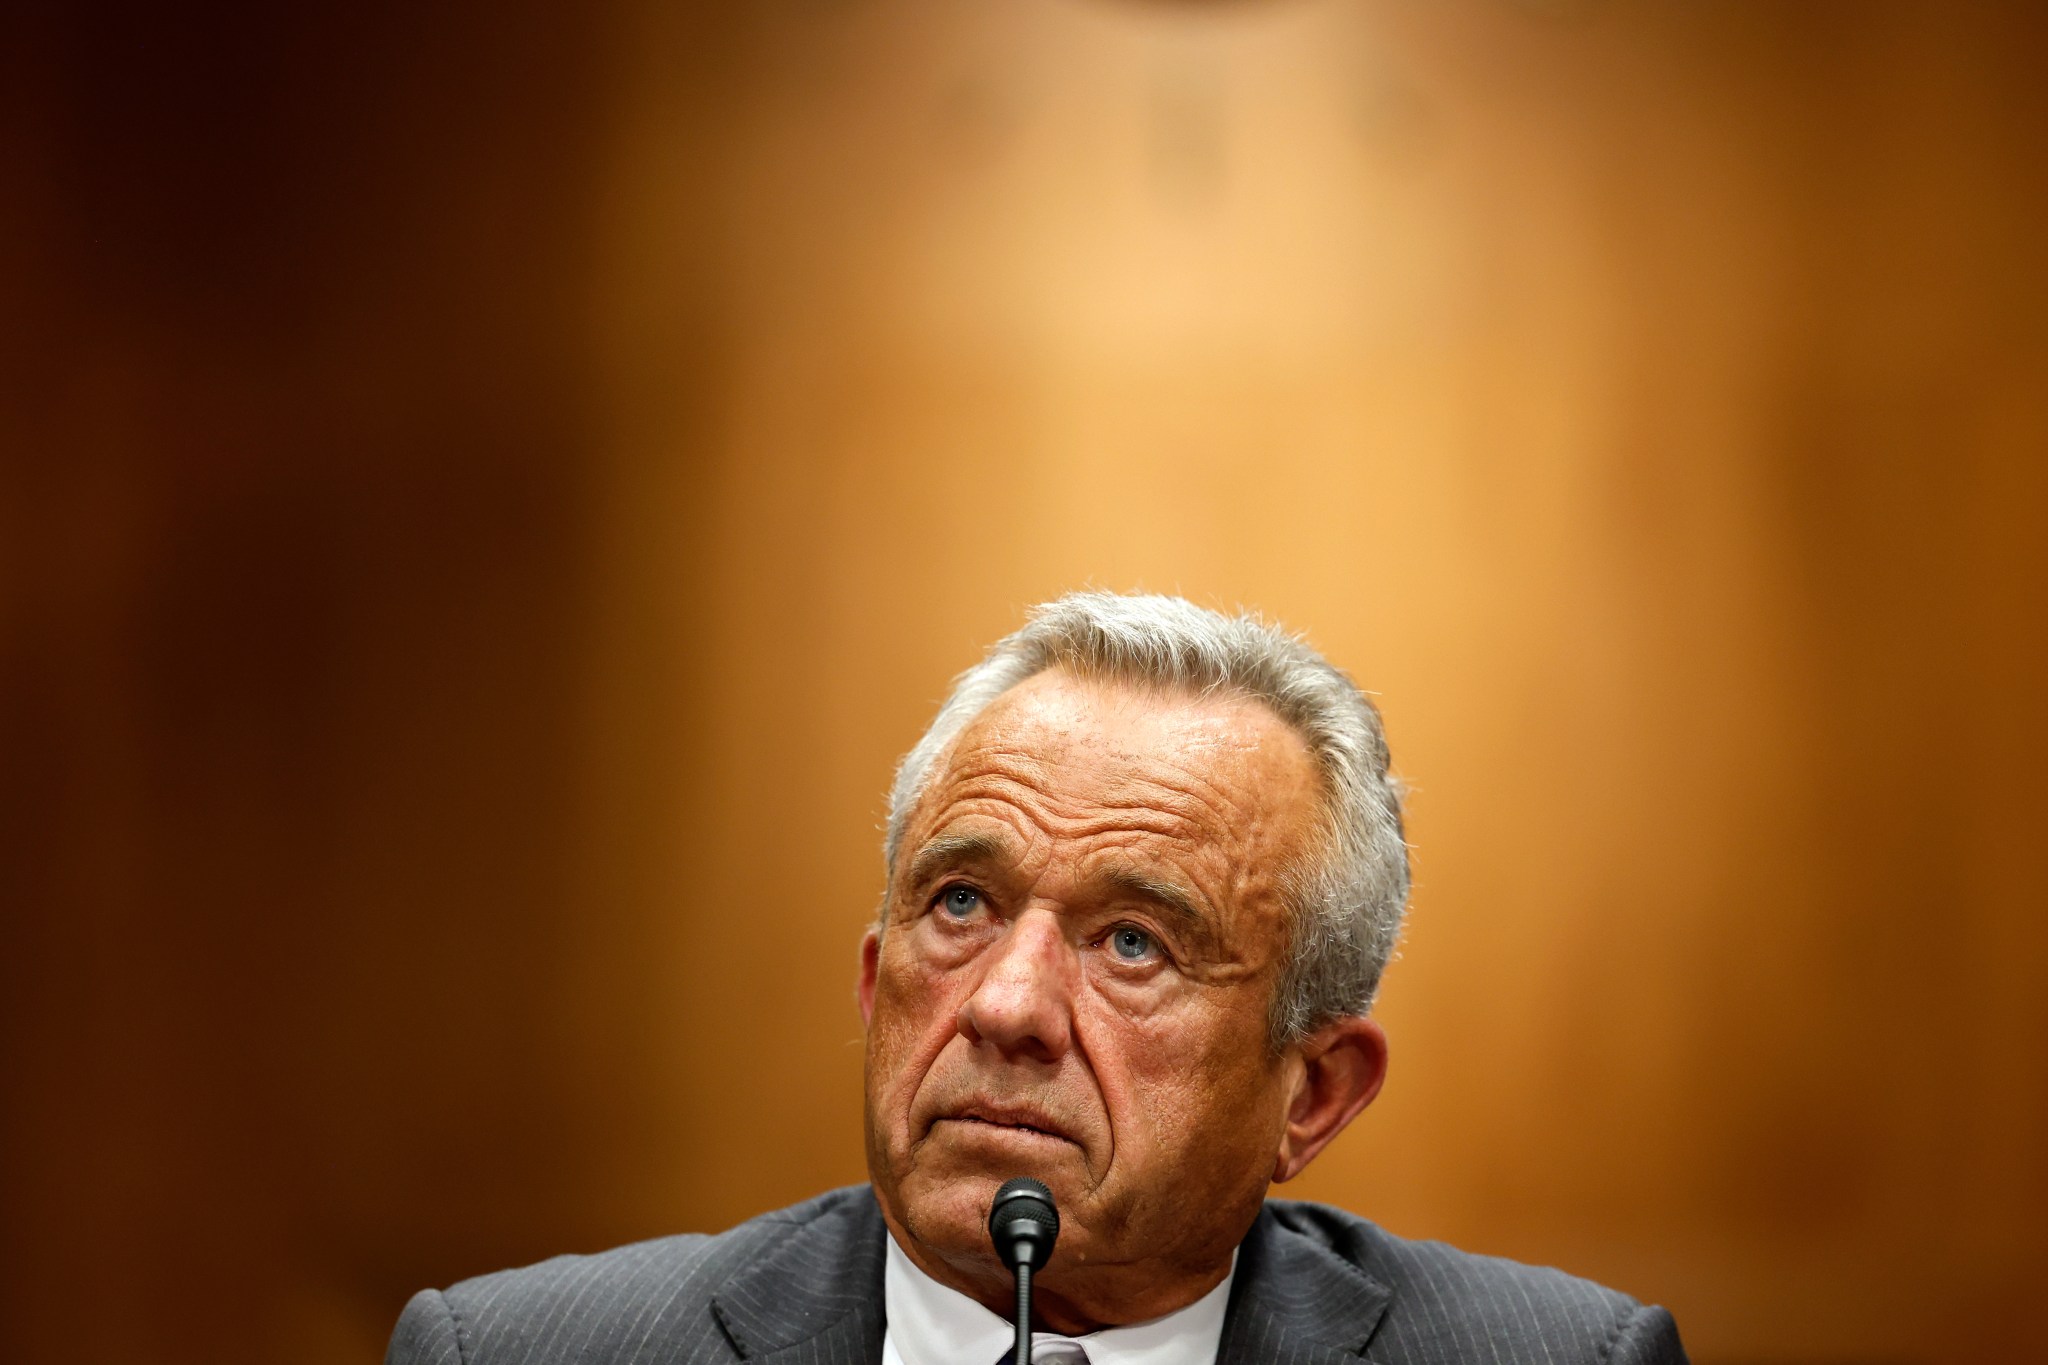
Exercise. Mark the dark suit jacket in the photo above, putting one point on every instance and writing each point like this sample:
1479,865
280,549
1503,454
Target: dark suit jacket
1314,1286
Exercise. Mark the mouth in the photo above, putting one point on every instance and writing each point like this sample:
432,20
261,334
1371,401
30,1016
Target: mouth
983,1121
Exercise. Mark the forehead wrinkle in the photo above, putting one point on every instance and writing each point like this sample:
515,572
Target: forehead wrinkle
1172,791
1090,824
1225,798
1041,801
1181,781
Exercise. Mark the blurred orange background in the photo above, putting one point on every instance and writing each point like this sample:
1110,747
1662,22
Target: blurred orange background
491,491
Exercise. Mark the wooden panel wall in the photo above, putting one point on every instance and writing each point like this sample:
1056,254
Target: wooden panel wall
495,489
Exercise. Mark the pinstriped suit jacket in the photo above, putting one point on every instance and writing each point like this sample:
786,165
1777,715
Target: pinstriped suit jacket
803,1286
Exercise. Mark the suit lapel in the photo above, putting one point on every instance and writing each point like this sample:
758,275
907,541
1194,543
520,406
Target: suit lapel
1295,1300
817,1299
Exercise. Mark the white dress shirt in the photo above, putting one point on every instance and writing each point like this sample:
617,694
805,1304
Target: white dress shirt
930,1324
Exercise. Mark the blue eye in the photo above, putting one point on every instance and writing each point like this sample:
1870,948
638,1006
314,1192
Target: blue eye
1131,944
960,901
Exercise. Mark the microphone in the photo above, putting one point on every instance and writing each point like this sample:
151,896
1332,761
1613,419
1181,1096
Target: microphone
1023,1224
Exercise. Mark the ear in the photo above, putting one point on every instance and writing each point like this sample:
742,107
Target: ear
870,961
1342,1065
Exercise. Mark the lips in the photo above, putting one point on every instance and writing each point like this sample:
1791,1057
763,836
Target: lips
1008,1118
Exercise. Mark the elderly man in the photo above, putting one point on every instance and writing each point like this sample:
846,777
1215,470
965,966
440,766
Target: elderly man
1144,872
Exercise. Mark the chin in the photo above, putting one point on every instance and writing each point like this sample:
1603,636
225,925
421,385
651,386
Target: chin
949,1213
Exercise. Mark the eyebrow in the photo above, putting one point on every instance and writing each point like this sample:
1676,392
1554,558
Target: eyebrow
1164,895
951,850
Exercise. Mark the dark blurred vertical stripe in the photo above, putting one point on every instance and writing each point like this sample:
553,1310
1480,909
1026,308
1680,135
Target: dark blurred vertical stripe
298,502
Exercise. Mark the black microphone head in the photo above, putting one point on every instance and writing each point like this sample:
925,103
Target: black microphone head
1023,1223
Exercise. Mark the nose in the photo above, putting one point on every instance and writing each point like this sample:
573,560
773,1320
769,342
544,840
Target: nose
1023,1006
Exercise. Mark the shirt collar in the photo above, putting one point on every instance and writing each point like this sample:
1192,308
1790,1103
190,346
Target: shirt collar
930,1324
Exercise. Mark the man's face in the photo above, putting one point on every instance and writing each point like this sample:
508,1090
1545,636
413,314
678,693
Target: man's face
1082,938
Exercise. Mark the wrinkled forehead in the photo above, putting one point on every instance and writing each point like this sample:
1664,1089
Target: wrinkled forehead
1074,756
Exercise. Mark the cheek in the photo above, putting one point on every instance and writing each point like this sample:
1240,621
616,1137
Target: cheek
1188,1092
913,1018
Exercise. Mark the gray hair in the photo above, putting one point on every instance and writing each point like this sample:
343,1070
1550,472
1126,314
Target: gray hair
1347,900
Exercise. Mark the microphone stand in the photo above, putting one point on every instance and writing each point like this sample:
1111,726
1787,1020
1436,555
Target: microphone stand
1021,1353
1023,1224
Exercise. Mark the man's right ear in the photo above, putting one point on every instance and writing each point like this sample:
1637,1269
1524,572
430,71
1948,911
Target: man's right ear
870,961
